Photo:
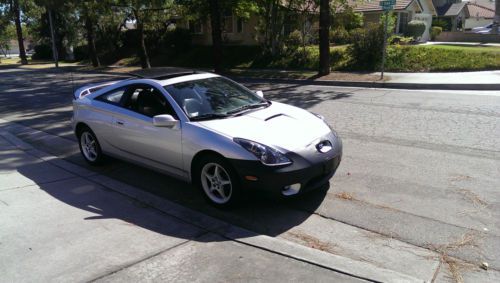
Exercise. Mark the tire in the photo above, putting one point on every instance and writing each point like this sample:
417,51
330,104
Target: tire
90,147
217,180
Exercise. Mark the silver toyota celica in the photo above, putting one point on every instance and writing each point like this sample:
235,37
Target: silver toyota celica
209,130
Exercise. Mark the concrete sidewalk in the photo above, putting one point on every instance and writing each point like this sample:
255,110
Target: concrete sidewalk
61,222
482,80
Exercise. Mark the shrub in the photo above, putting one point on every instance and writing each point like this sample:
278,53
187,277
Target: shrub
81,52
366,48
435,31
42,52
415,29
445,24
178,40
339,36
294,39
398,39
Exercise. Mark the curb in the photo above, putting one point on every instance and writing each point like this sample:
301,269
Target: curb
336,263
371,84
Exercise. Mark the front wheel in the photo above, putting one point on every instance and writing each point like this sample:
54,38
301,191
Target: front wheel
217,180
89,147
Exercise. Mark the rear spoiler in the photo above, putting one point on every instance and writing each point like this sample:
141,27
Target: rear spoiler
88,89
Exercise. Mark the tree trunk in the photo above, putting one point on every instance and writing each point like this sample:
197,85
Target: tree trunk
496,19
215,20
324,41
274,27
19,31
91,42
143,53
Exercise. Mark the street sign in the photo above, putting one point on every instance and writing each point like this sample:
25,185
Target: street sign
387,4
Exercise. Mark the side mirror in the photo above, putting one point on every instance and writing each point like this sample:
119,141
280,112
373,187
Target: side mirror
260,93
164,120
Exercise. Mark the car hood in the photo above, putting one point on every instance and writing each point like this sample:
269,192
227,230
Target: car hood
279,125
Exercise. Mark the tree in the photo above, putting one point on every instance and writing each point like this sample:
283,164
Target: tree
19,31
213,10
7,33
90,11
215,20
139,12
14,13
324,41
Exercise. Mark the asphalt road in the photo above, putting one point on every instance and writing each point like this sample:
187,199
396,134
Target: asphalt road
419,181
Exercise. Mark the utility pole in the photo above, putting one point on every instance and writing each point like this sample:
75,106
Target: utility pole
386,14
54,49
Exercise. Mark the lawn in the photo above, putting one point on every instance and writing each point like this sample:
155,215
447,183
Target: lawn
463,47
442,58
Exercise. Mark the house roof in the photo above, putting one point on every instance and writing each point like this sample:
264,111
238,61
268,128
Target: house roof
475,10
455,9
374,5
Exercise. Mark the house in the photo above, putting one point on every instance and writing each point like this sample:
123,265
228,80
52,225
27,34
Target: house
465,15
405,10
235,30
477,15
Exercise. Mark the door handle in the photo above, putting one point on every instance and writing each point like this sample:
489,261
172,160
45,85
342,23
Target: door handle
120,123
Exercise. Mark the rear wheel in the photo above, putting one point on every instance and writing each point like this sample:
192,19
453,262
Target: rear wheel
216,178
89,147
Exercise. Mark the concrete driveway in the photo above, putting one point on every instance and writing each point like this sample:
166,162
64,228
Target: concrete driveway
416,192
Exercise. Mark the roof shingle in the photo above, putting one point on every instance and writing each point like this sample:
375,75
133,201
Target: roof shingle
374,5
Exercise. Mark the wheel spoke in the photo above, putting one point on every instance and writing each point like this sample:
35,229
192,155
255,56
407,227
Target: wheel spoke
225,182
222,193
216,172
208,176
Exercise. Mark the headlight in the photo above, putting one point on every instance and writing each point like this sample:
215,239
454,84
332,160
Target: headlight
267,155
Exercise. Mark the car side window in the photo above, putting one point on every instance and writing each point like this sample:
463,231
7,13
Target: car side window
148,101
114,96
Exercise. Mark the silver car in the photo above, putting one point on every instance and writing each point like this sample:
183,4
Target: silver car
209,130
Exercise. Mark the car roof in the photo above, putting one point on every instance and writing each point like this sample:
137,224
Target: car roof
170,75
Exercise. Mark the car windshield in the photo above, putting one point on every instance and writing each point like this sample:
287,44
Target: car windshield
213,98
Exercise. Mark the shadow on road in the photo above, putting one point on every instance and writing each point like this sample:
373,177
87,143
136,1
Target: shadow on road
257,212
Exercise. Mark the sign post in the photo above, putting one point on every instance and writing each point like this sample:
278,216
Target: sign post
386,5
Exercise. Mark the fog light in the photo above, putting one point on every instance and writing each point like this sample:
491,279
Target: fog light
291,189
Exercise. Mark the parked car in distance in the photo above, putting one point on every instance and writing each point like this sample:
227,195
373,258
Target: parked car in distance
209,130
484,30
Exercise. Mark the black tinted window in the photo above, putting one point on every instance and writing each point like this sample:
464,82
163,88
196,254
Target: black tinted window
147,101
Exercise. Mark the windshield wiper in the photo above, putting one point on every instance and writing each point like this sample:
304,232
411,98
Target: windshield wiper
248,106
209,116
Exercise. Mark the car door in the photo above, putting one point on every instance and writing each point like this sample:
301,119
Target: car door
101,118
137,138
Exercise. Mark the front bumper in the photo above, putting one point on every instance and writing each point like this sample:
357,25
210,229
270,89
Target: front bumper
309,174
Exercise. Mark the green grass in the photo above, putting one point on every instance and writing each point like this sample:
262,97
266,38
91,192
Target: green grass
430,58
462,47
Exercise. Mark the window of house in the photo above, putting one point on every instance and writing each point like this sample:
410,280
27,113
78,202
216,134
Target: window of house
195,27
239,25
403,22
228,22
